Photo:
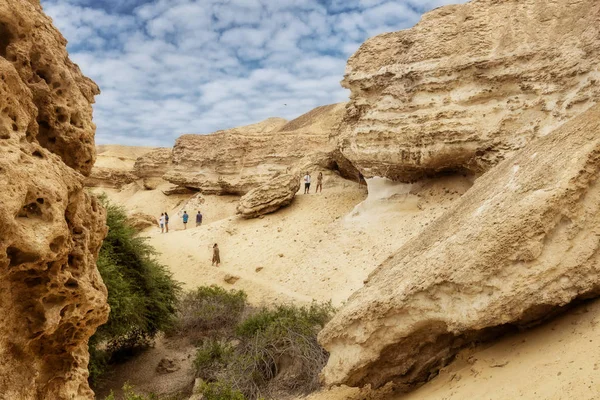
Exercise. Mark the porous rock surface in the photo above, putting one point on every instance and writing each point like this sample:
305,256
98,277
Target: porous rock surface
51,295
62,95
238,160
269,197
469,85
519,245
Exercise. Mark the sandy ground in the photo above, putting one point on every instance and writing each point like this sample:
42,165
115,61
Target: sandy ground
320,248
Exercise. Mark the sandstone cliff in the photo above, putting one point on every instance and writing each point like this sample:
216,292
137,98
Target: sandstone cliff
519,245
51,295
117,166
469,85
238,160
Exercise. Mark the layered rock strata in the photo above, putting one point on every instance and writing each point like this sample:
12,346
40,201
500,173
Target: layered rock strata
269,197
469,85
241,159
520,244
51,295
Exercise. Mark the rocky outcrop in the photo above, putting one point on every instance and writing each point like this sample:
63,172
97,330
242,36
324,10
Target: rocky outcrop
62,95
141,221
153,164
469,85
270,197
110,178
51,295
117,166
518,246
238,160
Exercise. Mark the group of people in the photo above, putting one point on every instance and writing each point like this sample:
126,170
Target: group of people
163,221
307,179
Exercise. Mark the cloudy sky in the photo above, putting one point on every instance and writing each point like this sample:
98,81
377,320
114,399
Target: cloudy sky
168,67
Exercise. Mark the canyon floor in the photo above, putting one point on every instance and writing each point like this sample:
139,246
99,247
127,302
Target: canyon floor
322,247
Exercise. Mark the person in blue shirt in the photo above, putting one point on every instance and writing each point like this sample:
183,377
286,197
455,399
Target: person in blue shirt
185,219
198,219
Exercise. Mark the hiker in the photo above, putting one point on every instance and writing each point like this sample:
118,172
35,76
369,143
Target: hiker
166,222
319,183
216,256
198,219
185,219
161,222
306,183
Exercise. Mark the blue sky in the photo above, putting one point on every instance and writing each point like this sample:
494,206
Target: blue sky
169,67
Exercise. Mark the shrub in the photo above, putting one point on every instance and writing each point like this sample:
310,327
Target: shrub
212,358
211,310
142,293
277,351
220,391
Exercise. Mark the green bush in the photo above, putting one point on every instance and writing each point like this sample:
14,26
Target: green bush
220,391
142,293
211,310
212,358
277,351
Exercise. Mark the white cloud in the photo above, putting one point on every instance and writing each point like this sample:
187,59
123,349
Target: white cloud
168,67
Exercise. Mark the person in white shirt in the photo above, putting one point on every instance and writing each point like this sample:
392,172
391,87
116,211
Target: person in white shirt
161,222
306,183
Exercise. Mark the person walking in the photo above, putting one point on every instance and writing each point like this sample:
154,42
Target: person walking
166,222
216,255
185,217
198,219
319,183
161,222
306,183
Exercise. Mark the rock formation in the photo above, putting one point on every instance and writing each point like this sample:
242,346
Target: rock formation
117,166
51,295
469,85
269,197
238,160
518,246
141,221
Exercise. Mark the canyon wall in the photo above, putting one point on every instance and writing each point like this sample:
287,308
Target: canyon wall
238,160
51,295
469,85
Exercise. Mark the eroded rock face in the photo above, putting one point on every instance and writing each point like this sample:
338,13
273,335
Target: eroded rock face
241,159
51,295
519,245
269,197
62,95
153,164
469,85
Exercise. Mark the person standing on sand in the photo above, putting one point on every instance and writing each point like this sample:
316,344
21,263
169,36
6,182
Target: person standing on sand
198,219
319,183
216,256
166,222
306,183
185,219
161,222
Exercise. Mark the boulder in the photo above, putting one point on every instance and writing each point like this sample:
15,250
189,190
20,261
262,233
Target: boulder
518,247
238,160
468,86
231,279
270,197
52,298
141,221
